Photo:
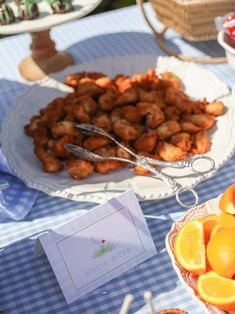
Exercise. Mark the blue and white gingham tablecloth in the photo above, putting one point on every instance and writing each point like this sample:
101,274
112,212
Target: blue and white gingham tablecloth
28,285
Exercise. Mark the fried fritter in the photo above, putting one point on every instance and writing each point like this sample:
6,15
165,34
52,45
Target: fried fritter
203,120
146,142
168,129
149,114
182,140
215,108
154,114
49,162
79,169
169,152
201,143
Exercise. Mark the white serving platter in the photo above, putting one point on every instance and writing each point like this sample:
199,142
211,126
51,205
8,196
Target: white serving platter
18,148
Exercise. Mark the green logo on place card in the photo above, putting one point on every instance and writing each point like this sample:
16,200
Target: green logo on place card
104,247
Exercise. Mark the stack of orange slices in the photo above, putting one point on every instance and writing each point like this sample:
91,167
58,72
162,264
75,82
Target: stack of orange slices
206,248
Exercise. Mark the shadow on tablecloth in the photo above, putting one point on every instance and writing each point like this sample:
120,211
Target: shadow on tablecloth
124,43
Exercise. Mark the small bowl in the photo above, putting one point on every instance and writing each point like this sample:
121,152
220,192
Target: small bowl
188,279
229,51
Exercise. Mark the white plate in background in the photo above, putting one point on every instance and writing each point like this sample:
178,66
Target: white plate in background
47,19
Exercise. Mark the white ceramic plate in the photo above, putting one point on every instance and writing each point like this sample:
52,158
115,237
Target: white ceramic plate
47,19
18,148
210,207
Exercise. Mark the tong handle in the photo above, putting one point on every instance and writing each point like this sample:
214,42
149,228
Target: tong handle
144,162
158,174
178,188
192,191
184,163
173,185
176,164
202,157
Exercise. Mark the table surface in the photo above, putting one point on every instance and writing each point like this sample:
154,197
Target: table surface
28,285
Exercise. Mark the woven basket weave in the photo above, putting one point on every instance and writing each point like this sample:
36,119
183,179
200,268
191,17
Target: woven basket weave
197,23
193,19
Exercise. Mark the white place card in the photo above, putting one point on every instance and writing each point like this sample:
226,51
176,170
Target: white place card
97,246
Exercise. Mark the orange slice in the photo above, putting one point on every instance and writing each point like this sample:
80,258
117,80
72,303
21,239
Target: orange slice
209,222
189,247
227,200
217,290
221,252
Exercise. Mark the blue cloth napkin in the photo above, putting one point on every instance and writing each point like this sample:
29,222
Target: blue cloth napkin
17,199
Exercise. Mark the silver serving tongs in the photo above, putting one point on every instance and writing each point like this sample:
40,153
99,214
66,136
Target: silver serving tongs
89,128
140,161
176,187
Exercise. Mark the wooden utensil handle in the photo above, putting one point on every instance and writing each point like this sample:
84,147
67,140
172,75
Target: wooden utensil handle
42,45
44,59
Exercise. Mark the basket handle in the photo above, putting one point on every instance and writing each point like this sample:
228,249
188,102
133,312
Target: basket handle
161,43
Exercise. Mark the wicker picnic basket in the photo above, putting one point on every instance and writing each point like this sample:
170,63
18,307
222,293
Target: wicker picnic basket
193,19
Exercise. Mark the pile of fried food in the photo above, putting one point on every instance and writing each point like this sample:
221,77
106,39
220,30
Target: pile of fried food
148,113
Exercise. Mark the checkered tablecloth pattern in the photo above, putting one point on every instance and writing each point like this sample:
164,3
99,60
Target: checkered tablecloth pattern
28,285
17,199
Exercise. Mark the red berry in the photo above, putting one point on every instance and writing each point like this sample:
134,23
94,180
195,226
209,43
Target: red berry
229,40
231,29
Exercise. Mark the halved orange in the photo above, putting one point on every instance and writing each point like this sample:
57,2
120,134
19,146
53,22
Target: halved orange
216,229
189,247
227,220
217,290
227,200
221,252
209,222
